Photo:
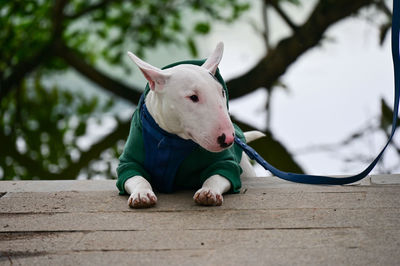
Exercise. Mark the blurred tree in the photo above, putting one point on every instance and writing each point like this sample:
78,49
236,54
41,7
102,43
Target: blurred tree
40,125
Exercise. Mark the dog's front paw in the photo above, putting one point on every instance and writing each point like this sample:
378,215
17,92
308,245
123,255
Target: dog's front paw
208,197
142,199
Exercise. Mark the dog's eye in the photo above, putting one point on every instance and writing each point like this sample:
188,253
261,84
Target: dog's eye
194,98
223,93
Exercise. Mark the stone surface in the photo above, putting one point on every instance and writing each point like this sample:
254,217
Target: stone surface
271,222
385,179
59,185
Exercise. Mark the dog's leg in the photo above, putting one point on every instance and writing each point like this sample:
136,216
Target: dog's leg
211,192
141,193
248,170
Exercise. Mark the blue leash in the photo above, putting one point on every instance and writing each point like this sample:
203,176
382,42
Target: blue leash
326,180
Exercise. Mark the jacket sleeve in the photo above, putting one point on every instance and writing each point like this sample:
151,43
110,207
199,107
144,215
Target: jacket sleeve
229,169
132,159
227,164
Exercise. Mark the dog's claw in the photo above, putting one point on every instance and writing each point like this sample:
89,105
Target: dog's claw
207,197
142,200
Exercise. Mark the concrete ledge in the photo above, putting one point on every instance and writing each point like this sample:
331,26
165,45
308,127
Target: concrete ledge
385,179
57,185
271,222
109,185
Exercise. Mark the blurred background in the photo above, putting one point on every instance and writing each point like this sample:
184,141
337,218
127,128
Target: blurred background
315,75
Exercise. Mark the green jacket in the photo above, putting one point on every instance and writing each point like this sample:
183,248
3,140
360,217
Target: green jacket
199,165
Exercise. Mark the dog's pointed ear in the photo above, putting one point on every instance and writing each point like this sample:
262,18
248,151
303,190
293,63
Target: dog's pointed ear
155,76
212,62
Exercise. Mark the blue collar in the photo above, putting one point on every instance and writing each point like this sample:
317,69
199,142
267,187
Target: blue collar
164,152
159,134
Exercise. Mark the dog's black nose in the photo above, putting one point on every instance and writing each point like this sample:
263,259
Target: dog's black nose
222,141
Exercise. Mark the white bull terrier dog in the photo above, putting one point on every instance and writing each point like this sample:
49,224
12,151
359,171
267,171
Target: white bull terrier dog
182,137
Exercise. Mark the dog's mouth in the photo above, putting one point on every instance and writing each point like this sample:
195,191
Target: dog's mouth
207,145
217,149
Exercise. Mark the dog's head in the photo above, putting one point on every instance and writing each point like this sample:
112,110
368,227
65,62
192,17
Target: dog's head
187,100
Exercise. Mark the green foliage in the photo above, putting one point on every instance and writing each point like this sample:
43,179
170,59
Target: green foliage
103,30
25,27
202,27
39,129
140,25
